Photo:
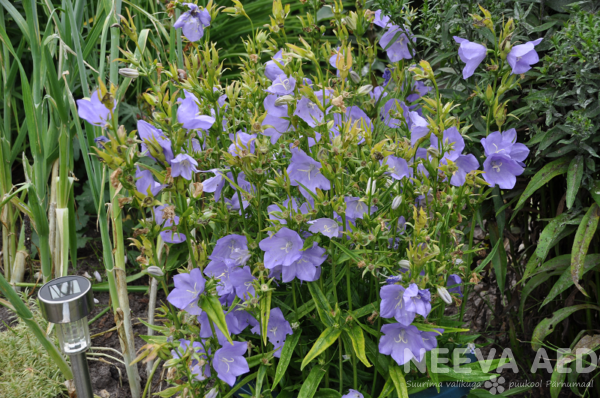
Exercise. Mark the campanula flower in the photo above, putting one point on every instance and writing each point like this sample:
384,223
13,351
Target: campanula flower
521,57
310,112
501,170
277,330
391,111
307,268
472,54
193,22
465,164
277,120
237,320
282,85
418,126
232,250
272,70
183,165
180,351
355,208
399,50
383,21
430,339
397,167
419,89
241,142
229,362
241,280
169,235
188,288
145,182
506,144
451,139
326,226
189,115
393,304
219,270
353,394
306,171
353,115
402,342
282,248
454,284
94,111
154,137
417,300
387,76
99,141
287,205
378,93
214,184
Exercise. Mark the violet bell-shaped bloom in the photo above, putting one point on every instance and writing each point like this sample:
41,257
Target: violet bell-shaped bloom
237,320
219,270
353,394
145,183
180,351
193,22
465,164
393,304
383,21
232,250
402,342
419,89
417,300
214,184
454,284
353,115
356,208
390,111
241,280
99,141
472,54
430,339
418,126
307,268
282,248
506,144
310,112
397,167
272,70
183,165
169,234
242,142
189,115
501,170
325,226
277,120
188,288
94,111
400,49
150,135
282,85
277,330
306,171
229,362
387,76
451,139
378,93
521,57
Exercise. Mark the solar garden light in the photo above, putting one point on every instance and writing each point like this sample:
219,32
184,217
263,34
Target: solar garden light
67,301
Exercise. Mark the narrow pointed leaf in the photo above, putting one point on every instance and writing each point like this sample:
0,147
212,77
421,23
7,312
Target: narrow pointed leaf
327,338
214,310
574,176
310,385
397,376
546,326
358,343
286,355
583,237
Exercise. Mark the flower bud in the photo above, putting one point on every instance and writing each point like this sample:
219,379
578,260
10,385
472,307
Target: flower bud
404,264
364,90
396,202
371,187
354,77
155,271
433,152
129,72
284,99
444,295
212,393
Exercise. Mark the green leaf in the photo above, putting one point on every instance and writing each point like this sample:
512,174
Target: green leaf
358,343
565,281
321,303
265,314
327,393
530,287
595,192
388,388
262,371
583,237
286,355
551,232
543,27
327,338
546,326
310,385
548,172
434,375
214,311
239,385
169,392
397,377
574,176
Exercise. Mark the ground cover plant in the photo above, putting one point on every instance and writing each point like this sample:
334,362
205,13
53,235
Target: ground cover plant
307,190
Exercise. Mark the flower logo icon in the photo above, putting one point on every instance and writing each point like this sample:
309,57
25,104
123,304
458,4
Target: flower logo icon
495,385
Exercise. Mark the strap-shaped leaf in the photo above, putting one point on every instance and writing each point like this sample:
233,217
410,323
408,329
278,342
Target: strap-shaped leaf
321,303
310,385
214,311
397,377
565,281
286,355
327,338
388,388
583,237
546,326
265,314
574,176
358,343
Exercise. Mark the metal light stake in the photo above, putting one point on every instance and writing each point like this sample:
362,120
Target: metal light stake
67,301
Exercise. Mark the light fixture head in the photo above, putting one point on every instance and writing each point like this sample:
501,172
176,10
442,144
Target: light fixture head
67,301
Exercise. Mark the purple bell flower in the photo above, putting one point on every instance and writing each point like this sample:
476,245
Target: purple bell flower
378,93
232,250
99,141
184,345
242,142
402,342
506,144
393,106
418,126
277,330
189,115
193,22
355,208
430,339
417,301
214,184
183,165
150,134
501,170
353,394
472,54
353,115
521,57
187,291
272,70
282,248
450,137
326,226
397,167
394,305
465,164
306,171
145,182
241,280
94,111
454,284
219,270
307,268
419,89
277,119
387,76
383,21
282,85
229,362
399,50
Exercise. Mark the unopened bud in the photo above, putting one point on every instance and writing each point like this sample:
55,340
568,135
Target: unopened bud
444,295
212,393
155,271
396,202
433,152
371,187
366,89
354,77
284,99
404,264
129,72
